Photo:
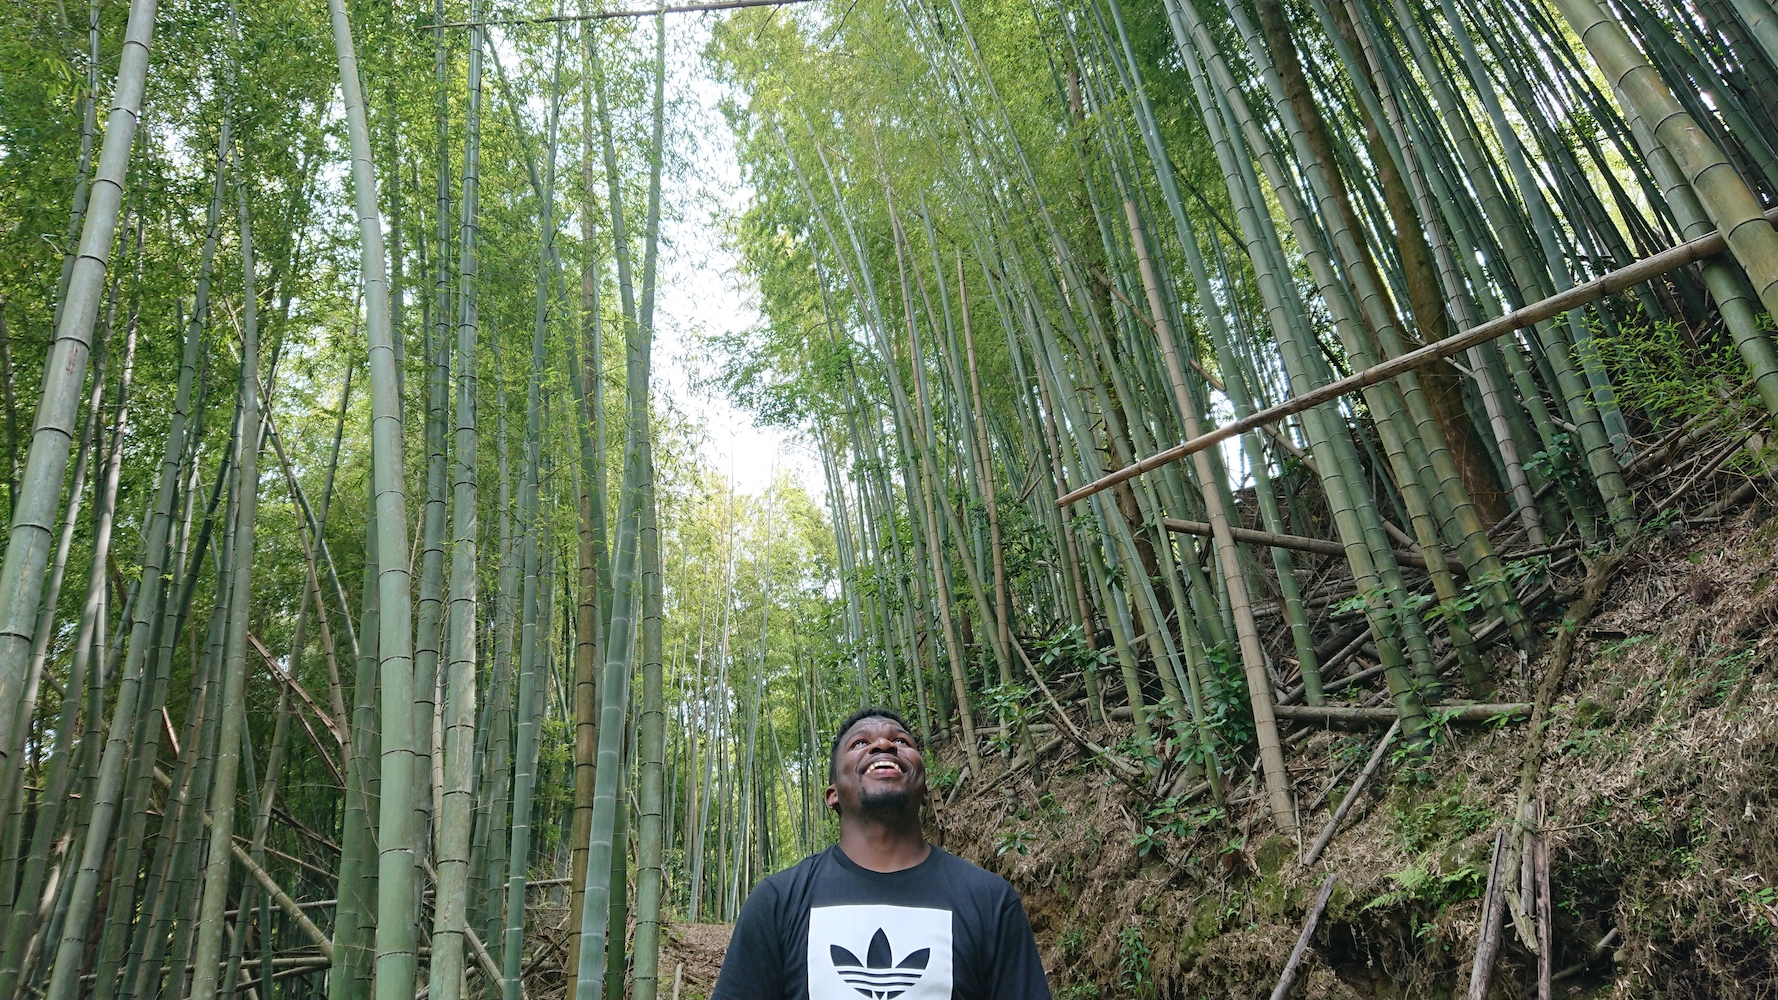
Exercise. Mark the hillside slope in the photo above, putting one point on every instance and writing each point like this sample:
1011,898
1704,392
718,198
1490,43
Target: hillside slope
1657,773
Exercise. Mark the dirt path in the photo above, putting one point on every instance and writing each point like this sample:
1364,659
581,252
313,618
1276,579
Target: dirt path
697,947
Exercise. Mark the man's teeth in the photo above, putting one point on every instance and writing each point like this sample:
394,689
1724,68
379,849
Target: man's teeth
884,765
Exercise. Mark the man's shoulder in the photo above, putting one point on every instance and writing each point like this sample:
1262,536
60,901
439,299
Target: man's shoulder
967,874
800,873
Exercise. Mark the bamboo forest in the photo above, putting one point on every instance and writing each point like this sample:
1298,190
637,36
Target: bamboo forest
1302,470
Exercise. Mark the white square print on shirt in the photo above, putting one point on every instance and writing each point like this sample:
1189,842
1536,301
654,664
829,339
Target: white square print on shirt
879,952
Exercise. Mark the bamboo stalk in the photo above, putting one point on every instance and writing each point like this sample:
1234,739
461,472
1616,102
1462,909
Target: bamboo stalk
1453,712
456,818
40,488
1294,542
396,892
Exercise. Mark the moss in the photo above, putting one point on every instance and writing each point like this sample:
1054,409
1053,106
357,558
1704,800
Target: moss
1273,854
1204,926
1592,714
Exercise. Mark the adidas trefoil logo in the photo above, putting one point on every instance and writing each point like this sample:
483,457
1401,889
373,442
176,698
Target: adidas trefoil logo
879,976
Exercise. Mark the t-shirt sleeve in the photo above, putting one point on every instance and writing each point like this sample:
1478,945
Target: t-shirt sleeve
1018,971
753,967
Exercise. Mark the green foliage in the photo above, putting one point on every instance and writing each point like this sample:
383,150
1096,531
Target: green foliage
553,800
1763,904
1134,963
1418,883
1073,941
1171,820
1560,462
1226,702
1663,369
1015,841
943,777
1016,706
1439,820
1080,989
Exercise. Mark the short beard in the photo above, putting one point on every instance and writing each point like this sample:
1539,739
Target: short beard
885,805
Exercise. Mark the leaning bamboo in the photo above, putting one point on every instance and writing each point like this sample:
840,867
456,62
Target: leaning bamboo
1653,266
1253,657
1351,796
1749,235
40,490
1296,543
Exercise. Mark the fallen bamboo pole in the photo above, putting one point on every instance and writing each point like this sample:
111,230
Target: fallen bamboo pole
1450,713
1285,980
1585,293
291,908
1299,543
1351,796
1487,944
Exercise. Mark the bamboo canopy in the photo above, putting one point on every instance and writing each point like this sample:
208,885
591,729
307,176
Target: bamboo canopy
380,614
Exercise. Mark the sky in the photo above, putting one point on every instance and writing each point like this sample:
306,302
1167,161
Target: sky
702,293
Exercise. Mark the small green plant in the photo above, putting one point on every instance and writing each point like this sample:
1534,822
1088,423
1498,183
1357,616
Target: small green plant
1764,904
1013,840
1073,942
943,777
1134,963
1226,703
1439,820
1016,706
1171,820
1418,883
1558,462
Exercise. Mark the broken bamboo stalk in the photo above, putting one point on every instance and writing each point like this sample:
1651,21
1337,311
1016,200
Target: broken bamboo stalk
1597,953
1298,543
1546,931
1352,794
486,961
1689,252
1302,942
1488,934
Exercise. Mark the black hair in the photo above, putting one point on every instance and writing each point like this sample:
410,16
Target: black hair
867,712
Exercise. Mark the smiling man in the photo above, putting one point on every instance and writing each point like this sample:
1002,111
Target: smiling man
882,914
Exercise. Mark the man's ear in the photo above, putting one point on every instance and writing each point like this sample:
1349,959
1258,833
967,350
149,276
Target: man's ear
832,797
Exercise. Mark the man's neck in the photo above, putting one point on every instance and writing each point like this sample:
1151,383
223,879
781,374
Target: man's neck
883,847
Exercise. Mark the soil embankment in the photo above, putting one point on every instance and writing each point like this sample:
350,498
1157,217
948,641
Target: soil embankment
1658,774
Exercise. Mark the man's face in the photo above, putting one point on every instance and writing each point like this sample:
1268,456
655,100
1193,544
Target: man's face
877,770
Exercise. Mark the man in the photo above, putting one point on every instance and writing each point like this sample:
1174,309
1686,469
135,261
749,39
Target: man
883,914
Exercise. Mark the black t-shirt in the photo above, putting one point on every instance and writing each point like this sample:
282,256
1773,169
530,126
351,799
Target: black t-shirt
831,930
